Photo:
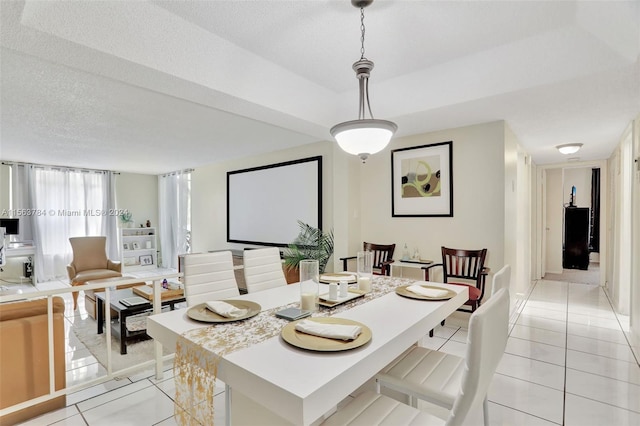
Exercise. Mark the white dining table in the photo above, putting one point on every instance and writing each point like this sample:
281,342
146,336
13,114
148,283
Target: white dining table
273,382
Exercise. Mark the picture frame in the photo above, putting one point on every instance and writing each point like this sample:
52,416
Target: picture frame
125,246
129,261
422,181
146,259
135,245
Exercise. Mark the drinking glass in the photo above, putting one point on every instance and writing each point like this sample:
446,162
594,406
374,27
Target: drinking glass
365,270
309,285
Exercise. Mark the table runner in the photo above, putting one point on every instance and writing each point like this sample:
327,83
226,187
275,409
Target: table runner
198,352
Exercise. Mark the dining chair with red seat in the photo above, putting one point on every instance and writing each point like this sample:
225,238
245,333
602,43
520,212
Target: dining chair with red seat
464,267
382,257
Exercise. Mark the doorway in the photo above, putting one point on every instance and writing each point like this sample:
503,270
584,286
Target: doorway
563,189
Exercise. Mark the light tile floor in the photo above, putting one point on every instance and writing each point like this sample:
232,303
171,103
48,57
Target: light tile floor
567,362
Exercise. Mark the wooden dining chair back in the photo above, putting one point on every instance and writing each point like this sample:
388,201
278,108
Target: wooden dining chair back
209,276
263,269
464,267
382,257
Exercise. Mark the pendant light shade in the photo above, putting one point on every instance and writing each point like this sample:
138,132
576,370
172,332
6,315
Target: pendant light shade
364,136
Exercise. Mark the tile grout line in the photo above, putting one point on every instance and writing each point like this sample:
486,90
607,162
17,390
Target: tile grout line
591,372
524,412
524,305
529,381
603,376
626,338
604,403
598,355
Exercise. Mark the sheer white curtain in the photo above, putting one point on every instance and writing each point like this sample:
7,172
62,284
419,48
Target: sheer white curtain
21,200
174,199
73,203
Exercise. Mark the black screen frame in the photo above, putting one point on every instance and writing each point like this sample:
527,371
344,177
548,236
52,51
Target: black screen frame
318,196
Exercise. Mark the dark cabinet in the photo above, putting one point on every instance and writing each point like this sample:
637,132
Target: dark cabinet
576,238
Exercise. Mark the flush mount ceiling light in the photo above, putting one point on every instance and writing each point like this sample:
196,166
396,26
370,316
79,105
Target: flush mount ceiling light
364,136
569,148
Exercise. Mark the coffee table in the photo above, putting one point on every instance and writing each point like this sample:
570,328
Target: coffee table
120,329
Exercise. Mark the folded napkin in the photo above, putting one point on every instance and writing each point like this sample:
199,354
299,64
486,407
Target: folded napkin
330,331
427,292
225,309
338,278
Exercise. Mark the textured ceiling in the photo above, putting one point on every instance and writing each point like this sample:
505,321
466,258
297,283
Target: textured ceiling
157,86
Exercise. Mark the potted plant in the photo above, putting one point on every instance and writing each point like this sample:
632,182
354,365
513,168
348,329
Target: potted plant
126,219
311,243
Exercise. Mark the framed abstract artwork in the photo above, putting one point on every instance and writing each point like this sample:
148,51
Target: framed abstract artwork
422,180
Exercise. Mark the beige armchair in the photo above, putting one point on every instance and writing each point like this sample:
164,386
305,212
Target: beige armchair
90,262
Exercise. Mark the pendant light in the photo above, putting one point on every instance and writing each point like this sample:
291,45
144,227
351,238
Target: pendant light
364,136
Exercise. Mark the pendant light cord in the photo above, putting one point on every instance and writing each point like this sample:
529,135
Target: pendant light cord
364,81
362,29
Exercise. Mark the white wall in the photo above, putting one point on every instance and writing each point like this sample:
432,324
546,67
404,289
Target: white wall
4,187
635,254
346,192
554,211
610,208
510,187
209,194
517,208
579,177
479,200
620,284
523,227
357,197
538,261
138,193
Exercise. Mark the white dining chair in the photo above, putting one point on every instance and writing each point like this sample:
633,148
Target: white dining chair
263,269
209,276
501,279
448,381
370,408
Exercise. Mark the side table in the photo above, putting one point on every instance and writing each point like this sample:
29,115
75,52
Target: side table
412,264
120,329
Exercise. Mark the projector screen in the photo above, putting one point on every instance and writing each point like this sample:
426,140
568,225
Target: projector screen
264,204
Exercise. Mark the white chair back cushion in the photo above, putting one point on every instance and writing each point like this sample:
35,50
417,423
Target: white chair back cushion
486,342
209,276
501,279
373,409
263,269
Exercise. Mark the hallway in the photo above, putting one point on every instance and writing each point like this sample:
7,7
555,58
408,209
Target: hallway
567,361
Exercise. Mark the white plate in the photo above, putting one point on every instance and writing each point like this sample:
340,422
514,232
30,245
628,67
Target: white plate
335,278
322,344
